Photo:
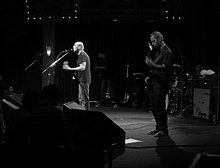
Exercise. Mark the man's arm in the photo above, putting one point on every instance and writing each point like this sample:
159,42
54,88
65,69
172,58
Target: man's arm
151,64
81,67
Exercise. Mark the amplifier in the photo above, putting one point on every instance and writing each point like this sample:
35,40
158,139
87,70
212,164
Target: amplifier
206,97
201,101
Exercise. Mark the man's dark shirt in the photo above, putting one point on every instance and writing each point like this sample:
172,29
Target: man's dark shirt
164,56
84,76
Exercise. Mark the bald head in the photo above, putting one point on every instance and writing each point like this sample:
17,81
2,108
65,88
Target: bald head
78,46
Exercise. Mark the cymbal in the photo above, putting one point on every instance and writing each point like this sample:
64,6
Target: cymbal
176,65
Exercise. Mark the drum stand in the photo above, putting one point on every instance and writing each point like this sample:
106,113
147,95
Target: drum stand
174,106
181,113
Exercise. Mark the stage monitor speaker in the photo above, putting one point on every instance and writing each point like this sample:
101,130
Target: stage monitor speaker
203,160
201,100
12,115
93,130
15,98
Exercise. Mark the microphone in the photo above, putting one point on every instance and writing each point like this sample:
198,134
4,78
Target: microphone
68,50
150,46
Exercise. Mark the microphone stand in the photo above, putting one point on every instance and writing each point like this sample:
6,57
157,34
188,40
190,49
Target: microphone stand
57,60
36,58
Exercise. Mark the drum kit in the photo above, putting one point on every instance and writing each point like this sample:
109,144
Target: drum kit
180,92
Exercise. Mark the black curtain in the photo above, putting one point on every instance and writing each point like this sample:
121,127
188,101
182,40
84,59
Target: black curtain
123,42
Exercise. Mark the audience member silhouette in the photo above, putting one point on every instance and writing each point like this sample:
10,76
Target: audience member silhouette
30,100
45,127
15,136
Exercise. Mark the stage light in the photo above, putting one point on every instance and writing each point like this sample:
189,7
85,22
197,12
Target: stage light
49,50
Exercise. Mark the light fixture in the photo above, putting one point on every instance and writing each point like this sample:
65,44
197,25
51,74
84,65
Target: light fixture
49,50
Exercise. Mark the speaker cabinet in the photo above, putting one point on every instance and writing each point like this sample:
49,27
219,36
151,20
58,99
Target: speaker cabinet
93,130
201,100
15,98
203,160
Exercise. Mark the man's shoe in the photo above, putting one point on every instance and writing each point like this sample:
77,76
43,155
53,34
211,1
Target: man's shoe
99,105
160,134
152,132
115,106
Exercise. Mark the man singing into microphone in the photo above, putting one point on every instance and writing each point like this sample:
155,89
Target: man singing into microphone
84,74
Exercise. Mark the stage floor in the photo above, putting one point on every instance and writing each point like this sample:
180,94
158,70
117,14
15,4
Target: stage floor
188,137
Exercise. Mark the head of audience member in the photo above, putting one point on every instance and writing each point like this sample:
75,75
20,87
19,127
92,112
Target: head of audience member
51,94
30,100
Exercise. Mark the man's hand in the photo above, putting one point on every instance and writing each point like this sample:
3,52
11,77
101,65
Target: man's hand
66,67
149,61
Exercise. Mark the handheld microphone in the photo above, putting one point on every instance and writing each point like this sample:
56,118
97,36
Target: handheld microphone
150,46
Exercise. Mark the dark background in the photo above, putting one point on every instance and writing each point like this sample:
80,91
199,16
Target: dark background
118,28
